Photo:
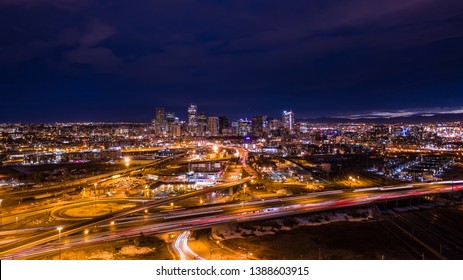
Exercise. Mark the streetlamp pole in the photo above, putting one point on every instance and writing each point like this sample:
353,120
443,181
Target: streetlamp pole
59,233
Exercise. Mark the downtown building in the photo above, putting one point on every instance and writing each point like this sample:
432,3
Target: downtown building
288,122
213,126
192,125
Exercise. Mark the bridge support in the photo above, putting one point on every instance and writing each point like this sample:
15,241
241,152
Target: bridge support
230,191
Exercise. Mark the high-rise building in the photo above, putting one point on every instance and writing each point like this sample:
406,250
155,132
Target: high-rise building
159,121
244,127
176,130
224,123
170,120
274,124
202,124
213,126
288,121
160,114
258,125
192,119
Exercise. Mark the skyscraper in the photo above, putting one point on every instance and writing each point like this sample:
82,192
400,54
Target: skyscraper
257,125
192,119
202,124
170,120
288,121
213,126
159,122
244,127
160,114
224,123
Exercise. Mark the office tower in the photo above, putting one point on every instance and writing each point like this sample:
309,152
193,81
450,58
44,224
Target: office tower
213,126
258,125
288,121
244,127
224,123
202,124
192,119
170,120
159,121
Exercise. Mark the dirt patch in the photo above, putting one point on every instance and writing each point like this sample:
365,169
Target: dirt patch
342,240
140,248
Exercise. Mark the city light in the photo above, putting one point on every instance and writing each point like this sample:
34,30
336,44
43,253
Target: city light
59,232
239,130
281,169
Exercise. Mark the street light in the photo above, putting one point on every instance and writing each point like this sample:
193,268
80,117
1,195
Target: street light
59,232
127,161
172,205
247,252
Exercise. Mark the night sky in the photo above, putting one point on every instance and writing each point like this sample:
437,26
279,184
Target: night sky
89,60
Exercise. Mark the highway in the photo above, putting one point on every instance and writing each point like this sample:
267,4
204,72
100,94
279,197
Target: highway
207,216
81,226
180,245
20,195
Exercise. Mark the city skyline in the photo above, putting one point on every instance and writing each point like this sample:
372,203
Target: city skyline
82,61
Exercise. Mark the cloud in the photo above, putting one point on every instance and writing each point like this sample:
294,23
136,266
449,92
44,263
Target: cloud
95,33
405,113
327,57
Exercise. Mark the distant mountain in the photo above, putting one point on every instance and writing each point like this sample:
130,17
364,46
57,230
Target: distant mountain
411,119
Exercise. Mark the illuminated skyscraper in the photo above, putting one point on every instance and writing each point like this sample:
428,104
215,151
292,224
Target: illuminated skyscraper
258,125
213,126
224,123
192,119
288,121
244,127
159,122
202,124
170,120
160,114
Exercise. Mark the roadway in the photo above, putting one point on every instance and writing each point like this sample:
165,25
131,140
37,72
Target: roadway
55,190
207,216
81,226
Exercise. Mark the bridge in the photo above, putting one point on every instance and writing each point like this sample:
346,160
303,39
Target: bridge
210,215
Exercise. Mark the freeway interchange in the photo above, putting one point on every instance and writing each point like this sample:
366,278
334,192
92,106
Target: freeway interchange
132,222
148,219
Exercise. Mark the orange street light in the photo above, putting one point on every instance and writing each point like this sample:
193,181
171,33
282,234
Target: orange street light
59,232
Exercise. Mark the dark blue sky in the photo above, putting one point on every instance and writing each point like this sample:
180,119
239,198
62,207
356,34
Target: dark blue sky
90,60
